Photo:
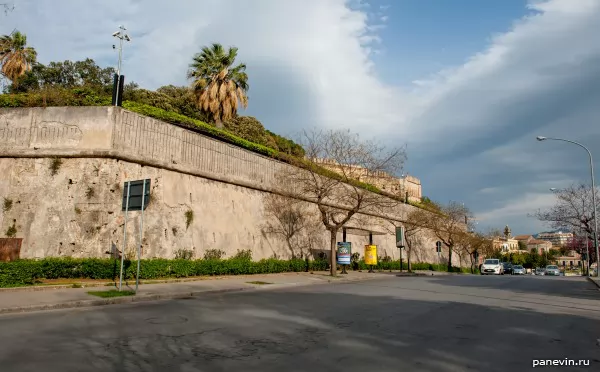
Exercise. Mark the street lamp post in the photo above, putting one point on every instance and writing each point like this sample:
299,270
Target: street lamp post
121,35
541,138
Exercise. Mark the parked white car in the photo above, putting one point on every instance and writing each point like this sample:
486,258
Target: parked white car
492,266
552,270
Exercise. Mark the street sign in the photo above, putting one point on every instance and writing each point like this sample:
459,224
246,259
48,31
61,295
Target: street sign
399,237
136,189
344,253
136,196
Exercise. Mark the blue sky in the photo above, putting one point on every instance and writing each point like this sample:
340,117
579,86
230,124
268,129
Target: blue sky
467,85
421,37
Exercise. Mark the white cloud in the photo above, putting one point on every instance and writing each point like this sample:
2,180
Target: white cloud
478,121
518,207
469,127
322,49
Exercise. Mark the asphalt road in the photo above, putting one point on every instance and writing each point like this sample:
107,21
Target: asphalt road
445,323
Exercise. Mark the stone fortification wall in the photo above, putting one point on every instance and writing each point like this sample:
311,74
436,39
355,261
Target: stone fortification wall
50,159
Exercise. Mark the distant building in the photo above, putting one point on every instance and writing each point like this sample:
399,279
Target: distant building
539,245
557,238
505,245
570,259
524,238
382,180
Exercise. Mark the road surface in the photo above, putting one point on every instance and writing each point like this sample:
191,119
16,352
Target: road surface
440,323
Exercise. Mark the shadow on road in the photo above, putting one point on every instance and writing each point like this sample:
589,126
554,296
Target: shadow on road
567,287
342,327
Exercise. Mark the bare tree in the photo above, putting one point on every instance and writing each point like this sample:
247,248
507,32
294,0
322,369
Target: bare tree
475,245
334,176
447,222
573,210
412,233
288,219
7,7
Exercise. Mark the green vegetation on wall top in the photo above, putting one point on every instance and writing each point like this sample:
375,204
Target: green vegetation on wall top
84,83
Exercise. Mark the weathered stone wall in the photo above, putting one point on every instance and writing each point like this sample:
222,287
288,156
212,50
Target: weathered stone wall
102,147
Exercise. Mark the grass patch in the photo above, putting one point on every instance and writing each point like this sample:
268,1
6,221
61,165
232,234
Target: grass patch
76,285
111,293
258,282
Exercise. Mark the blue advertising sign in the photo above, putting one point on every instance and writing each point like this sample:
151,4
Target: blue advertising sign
344,253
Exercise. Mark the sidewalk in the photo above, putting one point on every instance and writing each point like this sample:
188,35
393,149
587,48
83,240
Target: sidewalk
594,280
26,299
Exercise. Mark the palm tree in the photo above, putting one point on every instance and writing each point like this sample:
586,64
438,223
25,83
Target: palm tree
15,56
218,86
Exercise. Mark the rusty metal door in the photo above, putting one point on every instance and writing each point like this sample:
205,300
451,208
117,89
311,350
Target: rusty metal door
10,248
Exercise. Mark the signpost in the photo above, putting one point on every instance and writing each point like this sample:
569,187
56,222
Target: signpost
344,254
136,196
371,256
400,242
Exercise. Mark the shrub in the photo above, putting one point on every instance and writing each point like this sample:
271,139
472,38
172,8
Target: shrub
244,254
27,272
214,254
184,254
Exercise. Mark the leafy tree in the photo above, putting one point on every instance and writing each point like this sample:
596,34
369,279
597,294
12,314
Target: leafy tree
15,56
183,101
219,86
522,245
248,128
284,144
582,245
518,258
532,260
67,75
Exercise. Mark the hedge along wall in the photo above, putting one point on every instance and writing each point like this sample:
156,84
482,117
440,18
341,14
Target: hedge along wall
28,272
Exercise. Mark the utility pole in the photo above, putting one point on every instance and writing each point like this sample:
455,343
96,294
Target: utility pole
119,79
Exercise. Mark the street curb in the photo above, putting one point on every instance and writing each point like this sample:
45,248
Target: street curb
35,288
116,301
164,296
593,281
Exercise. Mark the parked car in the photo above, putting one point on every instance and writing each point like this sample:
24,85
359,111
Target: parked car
492,266
508,268
518,270
539,271
552,270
